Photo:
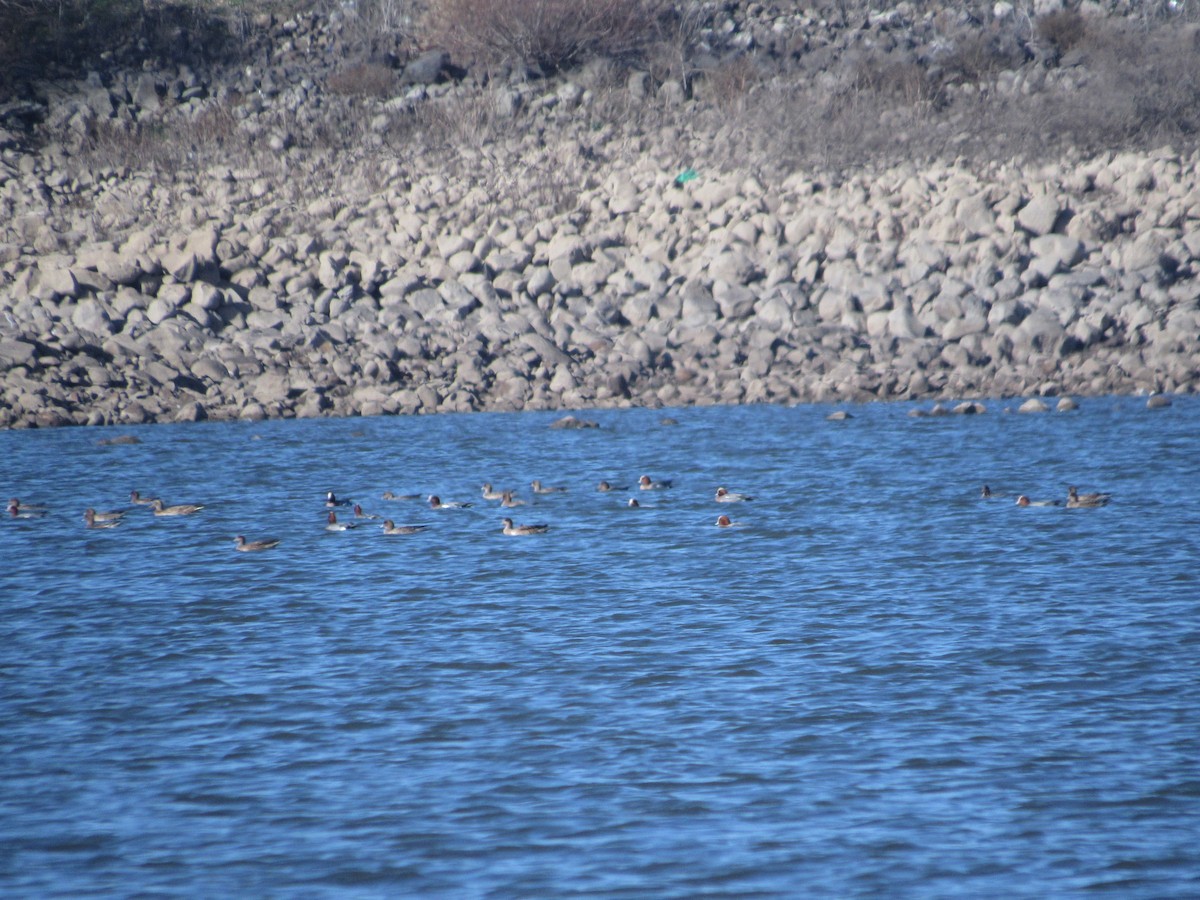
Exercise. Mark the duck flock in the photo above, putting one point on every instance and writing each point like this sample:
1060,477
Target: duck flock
1074,499
352,515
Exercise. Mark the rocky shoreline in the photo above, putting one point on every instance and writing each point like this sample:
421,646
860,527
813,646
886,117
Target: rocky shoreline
575,261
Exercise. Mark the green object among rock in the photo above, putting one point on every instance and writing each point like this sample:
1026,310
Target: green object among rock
685,176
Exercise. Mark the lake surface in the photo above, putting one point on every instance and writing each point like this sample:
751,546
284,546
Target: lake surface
879,684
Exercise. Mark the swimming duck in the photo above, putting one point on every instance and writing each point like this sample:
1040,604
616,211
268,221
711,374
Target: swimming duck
509,501
725,522
332,524
90,513
390,527
489,494
179,509
92,519
633,504
985,493
359,514
647,484
251,546
1076,500
331,500
27,507
388,495
539,488
19,510
135,497
724,496
1025,501
604,487
510,528
435,502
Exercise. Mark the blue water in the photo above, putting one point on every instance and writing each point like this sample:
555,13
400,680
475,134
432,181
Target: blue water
878,685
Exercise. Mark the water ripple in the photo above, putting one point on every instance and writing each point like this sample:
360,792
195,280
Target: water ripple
878,684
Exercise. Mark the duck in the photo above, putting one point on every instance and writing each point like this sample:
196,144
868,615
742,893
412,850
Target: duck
646,483
331,500
390,527
135,497
489,494
252,546
509,501
27,507
725,522
388,495
92,519
604,487
726,496
94,516
359,514
633,504
1076,500
435,502
985,493
539,488
1023,500
510,528
19,510
332,524
179,509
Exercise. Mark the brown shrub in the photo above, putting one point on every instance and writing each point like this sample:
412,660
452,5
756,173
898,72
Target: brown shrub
728,84
546,34
211,135
979,55
363,80
1062,29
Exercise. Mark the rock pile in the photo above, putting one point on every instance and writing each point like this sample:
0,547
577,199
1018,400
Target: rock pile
566,266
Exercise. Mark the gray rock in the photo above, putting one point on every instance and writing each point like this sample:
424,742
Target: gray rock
1040,215
428,68
90,317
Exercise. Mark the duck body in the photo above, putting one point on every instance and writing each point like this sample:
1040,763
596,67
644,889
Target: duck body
92,519
179,509
332,524
435,502
725,522
604,487
1076,500
331,500
510,528
726,496
254,546
508,501
390,527
1023,501
18,510
135,497
539,488
359,514
646,483
100,519
489,494
388,495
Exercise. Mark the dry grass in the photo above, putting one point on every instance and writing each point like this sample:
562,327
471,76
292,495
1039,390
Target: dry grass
363,80
1062,30
212,135
548,35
